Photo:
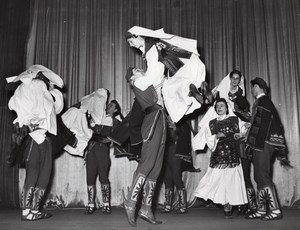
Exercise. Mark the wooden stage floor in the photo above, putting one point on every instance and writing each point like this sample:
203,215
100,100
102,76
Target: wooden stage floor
196,218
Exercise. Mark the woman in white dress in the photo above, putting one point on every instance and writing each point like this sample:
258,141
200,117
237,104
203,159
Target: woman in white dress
223,183
232,89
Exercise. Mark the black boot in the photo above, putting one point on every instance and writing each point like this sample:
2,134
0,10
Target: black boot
167,208
146,212
206,93
132,197
274,210
26,202
91,208
35,213
252,204
194,92
182,202
27,198
261,206
105,188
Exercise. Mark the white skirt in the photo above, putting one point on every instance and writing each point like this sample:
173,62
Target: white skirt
223,186
176,89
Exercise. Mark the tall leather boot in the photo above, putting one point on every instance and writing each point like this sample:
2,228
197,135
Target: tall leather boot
273,205
261,206
91,208
105,188
132,197
27,198
35,213
252,204
146,212
168,201
182,199
26,202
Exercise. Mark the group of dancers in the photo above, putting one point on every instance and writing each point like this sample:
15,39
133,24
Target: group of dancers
170,88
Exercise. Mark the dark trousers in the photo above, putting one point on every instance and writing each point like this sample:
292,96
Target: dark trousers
262,166
152,153
246,165
38,164
173,174
98,163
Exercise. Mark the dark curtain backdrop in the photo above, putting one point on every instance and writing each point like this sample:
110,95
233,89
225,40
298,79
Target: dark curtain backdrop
14,27
83,41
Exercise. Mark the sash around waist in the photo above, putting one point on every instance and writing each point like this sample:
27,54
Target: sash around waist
153,108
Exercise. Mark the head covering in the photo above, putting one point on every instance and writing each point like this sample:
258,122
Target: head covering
184,43
129,73
224,86
32,72
141,31
260,82
95,104
220,99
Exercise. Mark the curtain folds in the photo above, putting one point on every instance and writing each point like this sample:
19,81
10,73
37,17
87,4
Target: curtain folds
14,26
83,41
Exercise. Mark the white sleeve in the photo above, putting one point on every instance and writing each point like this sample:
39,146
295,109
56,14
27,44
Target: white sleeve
242,126
154,73
211,140
95,104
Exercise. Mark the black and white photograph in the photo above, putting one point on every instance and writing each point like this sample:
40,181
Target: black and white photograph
150,114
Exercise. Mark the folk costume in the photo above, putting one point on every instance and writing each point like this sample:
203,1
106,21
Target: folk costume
223,91
76,119
180,58
153,132
37,104
178,158
127,137
265,137
223,183
98,163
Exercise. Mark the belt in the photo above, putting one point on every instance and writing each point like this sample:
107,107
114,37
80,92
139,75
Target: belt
153,108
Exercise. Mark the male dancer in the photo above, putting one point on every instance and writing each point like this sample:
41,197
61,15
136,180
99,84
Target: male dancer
185,72
36,103
264,137
147,91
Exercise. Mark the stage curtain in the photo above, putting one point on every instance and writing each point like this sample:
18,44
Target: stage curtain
83,41
14,25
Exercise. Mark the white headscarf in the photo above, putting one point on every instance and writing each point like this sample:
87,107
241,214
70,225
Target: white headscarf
95,104
224,86
198,142
31,73
184,43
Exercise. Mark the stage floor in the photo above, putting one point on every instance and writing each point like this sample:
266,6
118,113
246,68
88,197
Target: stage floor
196,218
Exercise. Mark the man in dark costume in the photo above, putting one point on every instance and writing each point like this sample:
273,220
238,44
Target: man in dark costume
265,136
98,160
127,137
37,103
178,158
154,134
